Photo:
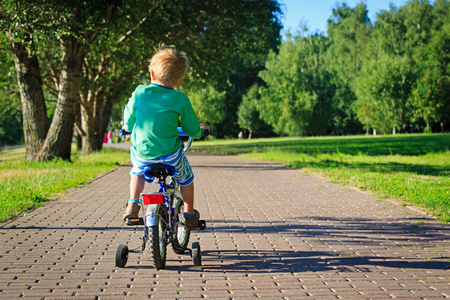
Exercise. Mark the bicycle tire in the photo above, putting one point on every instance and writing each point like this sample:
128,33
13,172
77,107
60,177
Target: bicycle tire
196,254
158,240
181,232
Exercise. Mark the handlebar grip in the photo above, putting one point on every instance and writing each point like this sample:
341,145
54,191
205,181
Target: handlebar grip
181,132
123,132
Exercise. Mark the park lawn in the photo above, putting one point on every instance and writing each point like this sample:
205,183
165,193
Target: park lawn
413,169
25,185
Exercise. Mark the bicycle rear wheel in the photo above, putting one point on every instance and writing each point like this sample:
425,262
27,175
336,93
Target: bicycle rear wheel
158,240
182,233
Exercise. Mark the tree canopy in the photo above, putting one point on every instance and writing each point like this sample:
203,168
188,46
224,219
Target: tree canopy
72,52
76,64
387,76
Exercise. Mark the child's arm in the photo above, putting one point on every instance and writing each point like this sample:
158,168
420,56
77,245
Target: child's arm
189,122
129,114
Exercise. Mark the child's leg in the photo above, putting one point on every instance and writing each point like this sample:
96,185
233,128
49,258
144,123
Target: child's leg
191,216
187,192
137,184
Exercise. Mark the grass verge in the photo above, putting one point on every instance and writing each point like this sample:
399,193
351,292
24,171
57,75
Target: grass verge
24,185
414,169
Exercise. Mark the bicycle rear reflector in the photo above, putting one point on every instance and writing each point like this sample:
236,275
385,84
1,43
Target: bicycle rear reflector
153,199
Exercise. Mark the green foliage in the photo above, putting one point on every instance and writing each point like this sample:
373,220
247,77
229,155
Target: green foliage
11,131
296,97
223,40
349,30
209,105
248,114
361,74
10,122
285,103
430,98
383,87
231,50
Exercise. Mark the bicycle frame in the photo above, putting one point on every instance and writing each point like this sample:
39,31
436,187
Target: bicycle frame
170,200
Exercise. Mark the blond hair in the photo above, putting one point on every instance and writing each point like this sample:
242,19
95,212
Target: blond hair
168,65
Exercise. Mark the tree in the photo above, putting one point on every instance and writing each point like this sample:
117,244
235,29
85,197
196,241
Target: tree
438,47
383,87
296,97
349,30
232,50
413,39
120,55
285,104
209,105
75,31
429,100
248,113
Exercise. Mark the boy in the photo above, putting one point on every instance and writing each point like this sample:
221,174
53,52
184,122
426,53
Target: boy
152,115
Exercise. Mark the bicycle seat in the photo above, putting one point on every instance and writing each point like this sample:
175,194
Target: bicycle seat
160,171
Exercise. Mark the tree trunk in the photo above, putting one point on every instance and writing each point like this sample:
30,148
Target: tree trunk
367,125
77,132
95,119
59,138
91,120
34,109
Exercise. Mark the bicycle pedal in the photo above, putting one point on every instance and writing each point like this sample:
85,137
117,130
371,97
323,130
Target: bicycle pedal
201,225
134,222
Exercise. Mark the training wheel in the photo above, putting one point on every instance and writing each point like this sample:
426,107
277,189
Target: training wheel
196,255
121,256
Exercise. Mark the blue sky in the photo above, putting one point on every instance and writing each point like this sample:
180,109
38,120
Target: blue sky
315,13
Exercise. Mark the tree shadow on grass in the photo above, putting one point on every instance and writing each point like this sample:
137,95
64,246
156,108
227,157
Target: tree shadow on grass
385,168
372,146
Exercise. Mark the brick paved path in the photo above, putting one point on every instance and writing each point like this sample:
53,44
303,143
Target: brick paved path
272,233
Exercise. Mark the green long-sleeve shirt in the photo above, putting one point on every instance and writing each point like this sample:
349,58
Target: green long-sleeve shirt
152,115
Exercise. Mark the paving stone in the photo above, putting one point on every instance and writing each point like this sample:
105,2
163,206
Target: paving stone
271,233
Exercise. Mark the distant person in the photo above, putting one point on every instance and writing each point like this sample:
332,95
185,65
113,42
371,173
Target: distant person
240,135
110,137
151,116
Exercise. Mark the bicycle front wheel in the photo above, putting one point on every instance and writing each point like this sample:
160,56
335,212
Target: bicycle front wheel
158,240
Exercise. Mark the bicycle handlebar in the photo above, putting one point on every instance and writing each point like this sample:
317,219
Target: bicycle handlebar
123,132
181,132
190,140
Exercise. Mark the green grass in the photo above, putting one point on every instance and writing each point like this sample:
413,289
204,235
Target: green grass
24,185
414,169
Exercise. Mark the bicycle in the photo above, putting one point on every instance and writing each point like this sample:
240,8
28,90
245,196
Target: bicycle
163,221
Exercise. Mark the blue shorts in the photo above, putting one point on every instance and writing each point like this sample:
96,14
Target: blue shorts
183,172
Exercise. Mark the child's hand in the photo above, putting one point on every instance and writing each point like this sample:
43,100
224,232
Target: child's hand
206,127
